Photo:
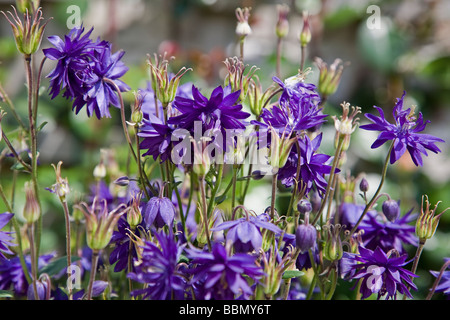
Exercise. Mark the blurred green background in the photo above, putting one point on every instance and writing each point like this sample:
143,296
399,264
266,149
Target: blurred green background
409,51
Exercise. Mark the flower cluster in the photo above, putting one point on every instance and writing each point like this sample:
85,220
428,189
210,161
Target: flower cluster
174,233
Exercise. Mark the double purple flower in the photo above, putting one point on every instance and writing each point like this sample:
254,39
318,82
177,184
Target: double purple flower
404,132
87,71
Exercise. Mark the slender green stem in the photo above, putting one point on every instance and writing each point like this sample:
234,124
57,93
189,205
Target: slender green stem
274,195
36,240
374,198
139,164
302,57
8,101
15,154
204,210
416,260
333,285
297,180
95,256
33,255
68,244
122,116
337,155
215,189
278,67
233,193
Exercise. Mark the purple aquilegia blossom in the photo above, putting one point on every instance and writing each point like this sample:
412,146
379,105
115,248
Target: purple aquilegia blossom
245,233
82,69
404,133
221,276
157,138
157,268
121,241
295,90
5,238
220,111
12,275
381,274
389,234
159,211
313,166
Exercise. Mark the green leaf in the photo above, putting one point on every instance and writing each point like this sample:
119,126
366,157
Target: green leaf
57,265
292,274
41,126
6,294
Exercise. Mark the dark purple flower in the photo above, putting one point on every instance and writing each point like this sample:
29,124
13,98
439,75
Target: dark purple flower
313,166
123,248
157,138
381,274
389,234
159,211
404,133
223,276
295,90
12,275
5,238
305,237
72,55
158,269
82,69
220,111
245,233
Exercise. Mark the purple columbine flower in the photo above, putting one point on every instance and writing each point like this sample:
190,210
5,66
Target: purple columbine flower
381,274
82,69
245,233
157,138
5,238
404,132
389,234
222,276
294,89
159,211
220,111
158,269
12,275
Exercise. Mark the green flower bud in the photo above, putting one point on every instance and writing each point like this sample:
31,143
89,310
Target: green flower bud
31,210
427,221
134,216
329,78
282,27
305,35
280,148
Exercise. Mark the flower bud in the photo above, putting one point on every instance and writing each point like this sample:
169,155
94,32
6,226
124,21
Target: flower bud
243,28
427,222
304,207
280,148
134,216
202,160
99,171
282,27
305,237
391,209
345,125
31,210
329,78
364,185
43,288
305,35
61,187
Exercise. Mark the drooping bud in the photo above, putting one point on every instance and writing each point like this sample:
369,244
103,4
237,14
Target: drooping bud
137,115
31,210
364,185
282,27
304,206
100,222
427,221
305,235
43,288
27,34
305,35
329,78
391,209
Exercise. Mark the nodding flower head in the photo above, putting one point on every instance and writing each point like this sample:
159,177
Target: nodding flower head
346,125
100,222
